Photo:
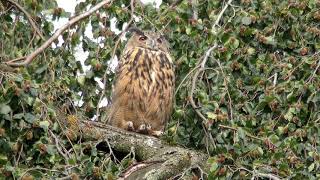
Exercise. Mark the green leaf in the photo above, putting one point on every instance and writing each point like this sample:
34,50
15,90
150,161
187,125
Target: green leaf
188,30
290,113
251,51
5,109
214,166
246,20
18,116
30,118
41,69
211,115
311,167
81,80
270,40
235,44
44,125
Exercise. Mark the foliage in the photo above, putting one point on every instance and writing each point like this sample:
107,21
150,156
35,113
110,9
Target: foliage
259,91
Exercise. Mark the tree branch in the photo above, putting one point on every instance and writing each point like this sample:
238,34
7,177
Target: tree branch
55,36
159,160
220,14
201,68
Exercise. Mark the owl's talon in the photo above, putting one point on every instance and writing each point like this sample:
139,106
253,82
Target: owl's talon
143,129
130,126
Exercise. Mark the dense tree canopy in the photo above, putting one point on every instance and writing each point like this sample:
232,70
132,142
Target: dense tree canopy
247,87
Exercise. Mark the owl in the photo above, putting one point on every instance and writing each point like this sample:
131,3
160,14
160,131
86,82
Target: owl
142,98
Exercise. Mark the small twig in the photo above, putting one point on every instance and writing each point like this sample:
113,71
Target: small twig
193,87
185,78
181,175
18,59
314,72
275,79
202,67
220,14
64,132
258,174
66,177
57,145
203,63
55,36
40,169
34,26
296,67
110,149
235,129
17,161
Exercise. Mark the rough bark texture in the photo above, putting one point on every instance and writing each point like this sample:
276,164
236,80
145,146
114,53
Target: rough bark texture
158,160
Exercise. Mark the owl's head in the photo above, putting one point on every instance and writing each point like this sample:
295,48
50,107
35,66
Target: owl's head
148,40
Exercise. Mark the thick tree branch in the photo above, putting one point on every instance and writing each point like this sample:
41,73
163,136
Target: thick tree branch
159,160
55,36
33,24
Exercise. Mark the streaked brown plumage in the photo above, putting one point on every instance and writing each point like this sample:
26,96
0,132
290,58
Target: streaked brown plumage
143,92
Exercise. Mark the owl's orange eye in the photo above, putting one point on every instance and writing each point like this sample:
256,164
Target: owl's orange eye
142,38
159,40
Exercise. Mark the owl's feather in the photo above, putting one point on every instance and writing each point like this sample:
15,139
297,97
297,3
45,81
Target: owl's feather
144,87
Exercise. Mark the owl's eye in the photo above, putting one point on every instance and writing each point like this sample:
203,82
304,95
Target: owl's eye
159,40
142,38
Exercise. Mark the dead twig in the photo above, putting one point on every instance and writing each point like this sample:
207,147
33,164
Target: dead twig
220,14
55,36
67,155
201,67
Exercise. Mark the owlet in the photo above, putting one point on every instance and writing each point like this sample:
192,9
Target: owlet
142,99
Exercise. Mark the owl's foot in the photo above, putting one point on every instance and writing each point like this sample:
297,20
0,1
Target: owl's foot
144,129
147,129
130,126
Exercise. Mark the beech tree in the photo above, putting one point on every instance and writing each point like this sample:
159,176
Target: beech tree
247,100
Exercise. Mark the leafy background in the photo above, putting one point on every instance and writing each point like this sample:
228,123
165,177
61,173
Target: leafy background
259,90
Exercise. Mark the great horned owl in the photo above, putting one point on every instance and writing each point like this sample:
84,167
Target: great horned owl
142,99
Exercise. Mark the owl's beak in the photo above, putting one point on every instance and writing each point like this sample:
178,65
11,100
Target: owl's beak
152,44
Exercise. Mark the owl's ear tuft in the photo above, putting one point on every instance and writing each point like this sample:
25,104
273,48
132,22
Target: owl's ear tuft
136,30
